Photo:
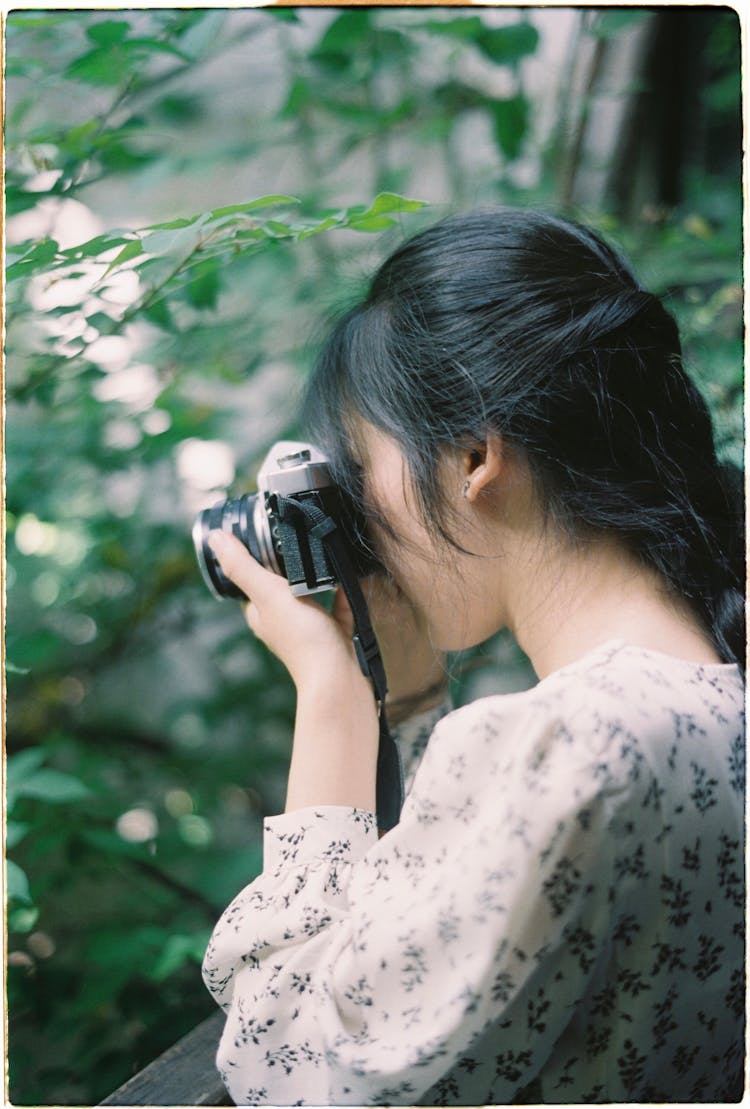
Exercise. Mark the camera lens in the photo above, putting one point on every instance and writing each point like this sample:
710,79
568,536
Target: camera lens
243,518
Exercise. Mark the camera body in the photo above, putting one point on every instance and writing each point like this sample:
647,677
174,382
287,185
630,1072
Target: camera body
281,541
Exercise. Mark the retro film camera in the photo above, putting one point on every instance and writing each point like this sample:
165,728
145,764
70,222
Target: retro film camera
280,524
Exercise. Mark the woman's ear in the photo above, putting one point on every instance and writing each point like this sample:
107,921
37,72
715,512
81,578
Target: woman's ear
483,465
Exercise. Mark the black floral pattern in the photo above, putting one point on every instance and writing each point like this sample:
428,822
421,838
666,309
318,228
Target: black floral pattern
704,788
736,761
562,885
563,900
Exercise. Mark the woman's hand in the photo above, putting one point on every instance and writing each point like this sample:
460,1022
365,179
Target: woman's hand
336,725
306,638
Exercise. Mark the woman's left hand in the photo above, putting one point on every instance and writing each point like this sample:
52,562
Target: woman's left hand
306,638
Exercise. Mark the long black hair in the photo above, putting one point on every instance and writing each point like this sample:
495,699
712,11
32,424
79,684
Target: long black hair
532,327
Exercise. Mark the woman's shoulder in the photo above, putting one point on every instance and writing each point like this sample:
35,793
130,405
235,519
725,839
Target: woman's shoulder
613,693
641,681
621,731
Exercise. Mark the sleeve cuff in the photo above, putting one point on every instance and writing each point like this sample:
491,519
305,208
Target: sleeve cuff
324,833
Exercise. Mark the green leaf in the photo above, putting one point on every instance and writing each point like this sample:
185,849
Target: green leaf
298,99
202,290
108,32
157,312
100,244
199,31
180,109
18,199
49,785
17,883
252,205
101,321
17,19
327,224
157,46
176,241
505,45
21,765
371,223
466,29
102,66
342,37
511,122
284,15
172,224
392,202
77,141
38,257
116,57
131,250
252,234
177,951
277,229
22,67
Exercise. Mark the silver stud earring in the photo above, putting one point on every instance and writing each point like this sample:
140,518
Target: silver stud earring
465,488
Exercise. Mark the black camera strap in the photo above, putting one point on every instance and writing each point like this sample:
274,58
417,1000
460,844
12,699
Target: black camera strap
389,784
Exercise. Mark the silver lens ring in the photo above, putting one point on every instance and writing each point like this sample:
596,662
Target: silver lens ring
201,529
263,535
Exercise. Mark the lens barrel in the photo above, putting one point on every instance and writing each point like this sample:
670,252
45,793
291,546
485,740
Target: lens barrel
240,518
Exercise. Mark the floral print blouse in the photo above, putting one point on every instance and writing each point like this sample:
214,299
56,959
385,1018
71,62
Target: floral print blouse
558,917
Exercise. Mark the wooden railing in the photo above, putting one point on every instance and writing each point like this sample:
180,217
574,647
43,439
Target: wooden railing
184,1075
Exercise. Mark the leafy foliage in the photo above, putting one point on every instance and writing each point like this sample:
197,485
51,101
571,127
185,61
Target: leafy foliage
157,336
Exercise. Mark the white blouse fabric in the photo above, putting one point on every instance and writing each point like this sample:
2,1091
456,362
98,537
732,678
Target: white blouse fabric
558,917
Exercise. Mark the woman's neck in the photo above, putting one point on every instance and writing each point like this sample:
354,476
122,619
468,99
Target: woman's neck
568,599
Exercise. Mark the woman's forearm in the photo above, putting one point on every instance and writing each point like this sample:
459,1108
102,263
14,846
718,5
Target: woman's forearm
335,749
334,756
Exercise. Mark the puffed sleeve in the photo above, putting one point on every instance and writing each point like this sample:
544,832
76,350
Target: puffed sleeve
358,970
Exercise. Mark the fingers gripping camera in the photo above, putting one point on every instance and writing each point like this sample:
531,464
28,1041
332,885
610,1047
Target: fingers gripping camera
276,533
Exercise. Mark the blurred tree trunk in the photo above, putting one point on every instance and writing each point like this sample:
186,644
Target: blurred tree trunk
644,117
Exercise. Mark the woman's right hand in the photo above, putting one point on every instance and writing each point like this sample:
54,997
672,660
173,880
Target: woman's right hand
415,669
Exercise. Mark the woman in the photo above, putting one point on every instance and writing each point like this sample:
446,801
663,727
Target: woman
558,915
